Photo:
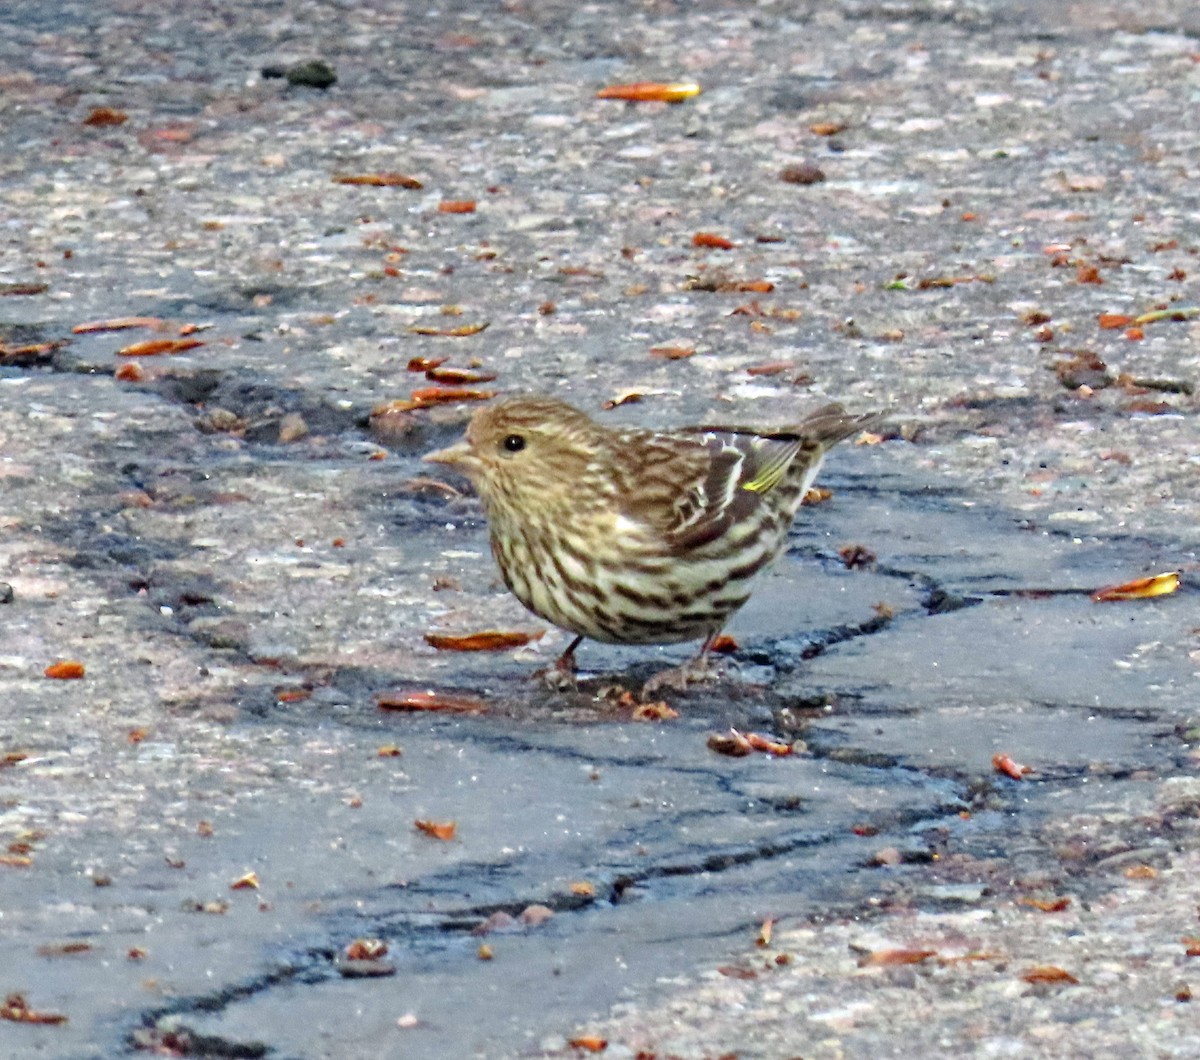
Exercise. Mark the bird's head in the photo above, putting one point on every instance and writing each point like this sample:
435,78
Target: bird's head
524,451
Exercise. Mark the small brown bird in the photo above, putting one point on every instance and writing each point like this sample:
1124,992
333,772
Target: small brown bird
635,536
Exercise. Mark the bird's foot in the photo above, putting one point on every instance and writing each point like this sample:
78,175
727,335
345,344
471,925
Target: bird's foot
678,678
561,676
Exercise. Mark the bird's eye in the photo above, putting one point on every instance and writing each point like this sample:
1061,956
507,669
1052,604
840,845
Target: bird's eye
514,443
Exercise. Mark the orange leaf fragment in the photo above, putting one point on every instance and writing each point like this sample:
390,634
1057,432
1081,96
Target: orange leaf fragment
156,346
731,743
817,495
423,397
1007,765
130,372
1141,872
1046,905
485,952
712,240
755,286
1193,945
654,712
771,368
891,958
116,324
378,180
1134,334
1088,274
365,950
1112,321
389,750
590,1043
651,91
768,746
1139,588
16,1009
425,364
443,830
724,644
1048,973
672,353
583,888
65,670
456,206
427,700
764,932
246,882
827,128
486,640
460,332
105,116
458,376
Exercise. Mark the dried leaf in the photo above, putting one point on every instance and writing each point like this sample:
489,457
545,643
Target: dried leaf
415,700
1112,321
443,830
817,495
712,241
487,640
624,397
64,949
1141,872
16,1009
1193,945
771,368
65,670
891,958
583,889
117,324
485,953
931,282
590,1043
827,128
731,743
460,332
423,397
1088,274
764,932
651,91
379,180
1046,905
425,364
1005,764
458,376
366,950
768,746
724,644
456,206
389,750
672,353
1139,588
857,556
246,882
154,347
654,712
1048,973
737,971
129,372
101,117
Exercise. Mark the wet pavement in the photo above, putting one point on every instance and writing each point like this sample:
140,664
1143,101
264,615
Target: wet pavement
244,557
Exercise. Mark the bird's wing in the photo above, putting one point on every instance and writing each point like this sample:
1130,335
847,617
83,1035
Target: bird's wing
694,485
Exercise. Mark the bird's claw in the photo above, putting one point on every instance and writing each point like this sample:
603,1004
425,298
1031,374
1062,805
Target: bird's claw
677,678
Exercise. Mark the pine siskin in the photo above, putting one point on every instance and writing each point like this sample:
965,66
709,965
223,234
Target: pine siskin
634,536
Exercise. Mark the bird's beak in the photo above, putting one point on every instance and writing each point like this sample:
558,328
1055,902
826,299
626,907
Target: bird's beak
457,455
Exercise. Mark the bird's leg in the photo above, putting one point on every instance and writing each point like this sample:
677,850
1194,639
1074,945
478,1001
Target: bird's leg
561,676
691,672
